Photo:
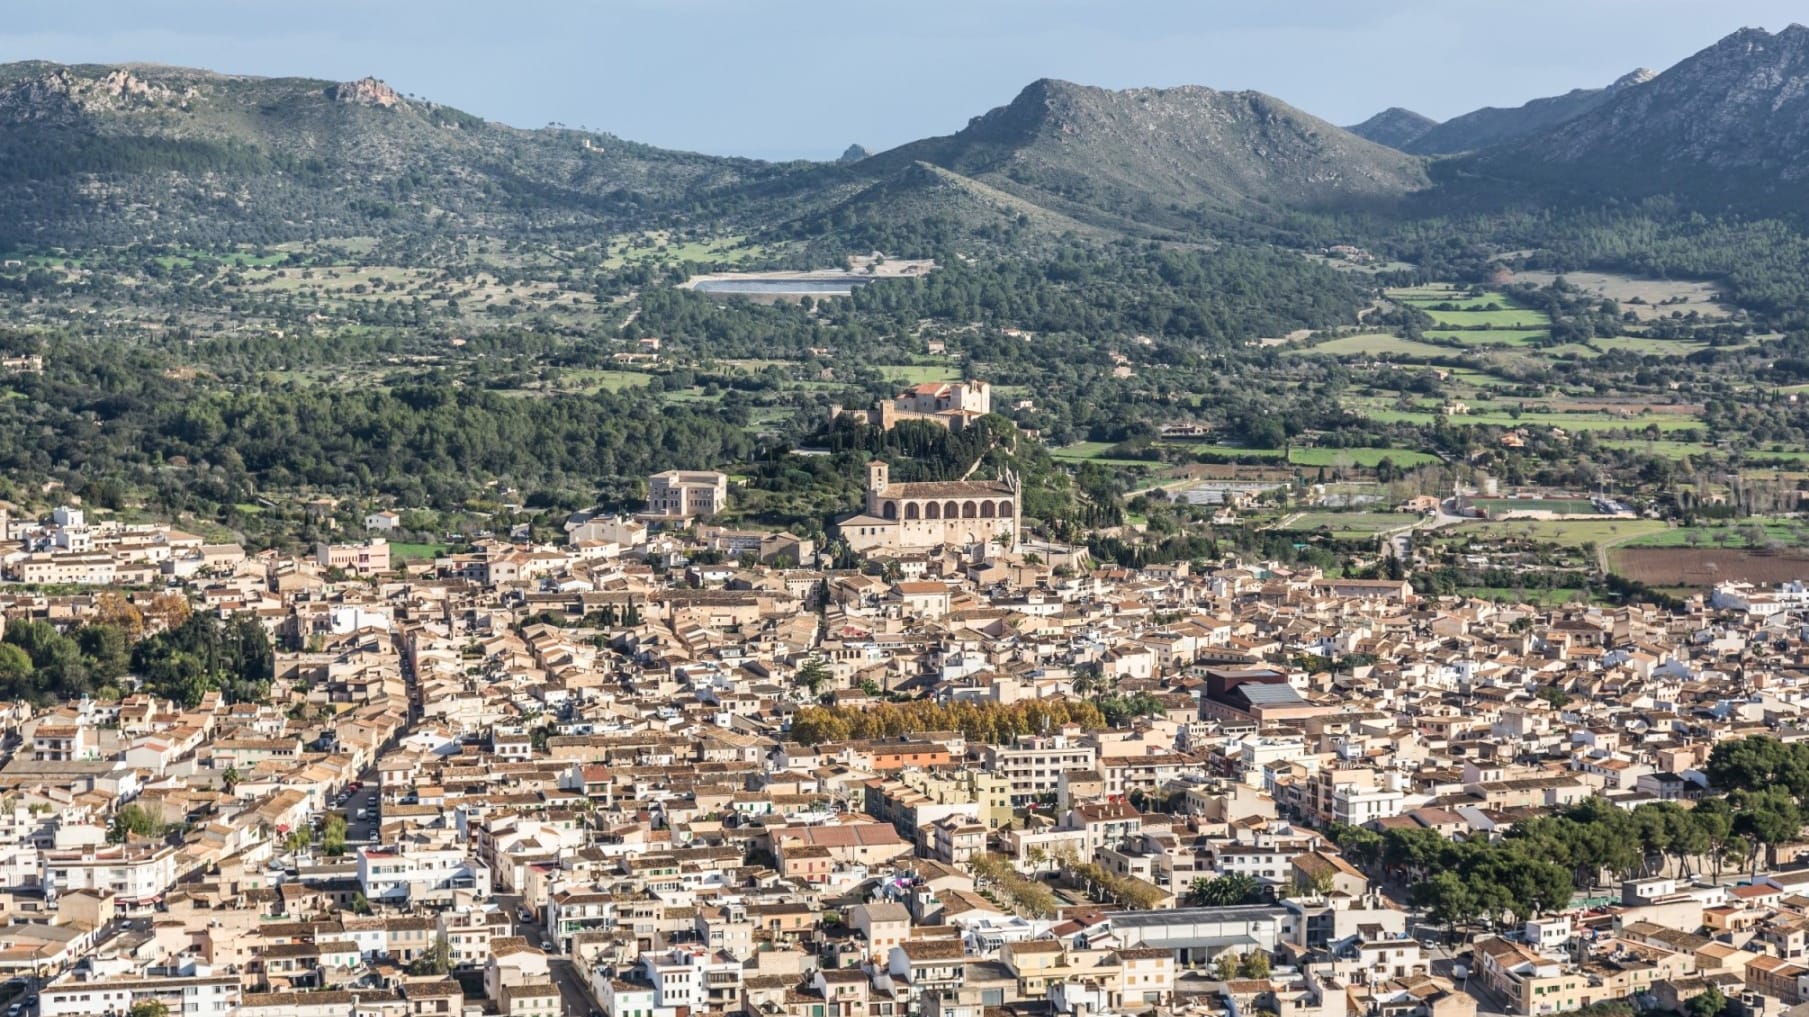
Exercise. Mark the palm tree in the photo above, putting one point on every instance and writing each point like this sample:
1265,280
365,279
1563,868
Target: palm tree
1082,684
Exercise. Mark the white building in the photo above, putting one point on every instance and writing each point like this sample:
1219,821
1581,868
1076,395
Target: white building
133,872
72,532
387,874
1356,806
383,521
619,998
690,977
201,995
588,529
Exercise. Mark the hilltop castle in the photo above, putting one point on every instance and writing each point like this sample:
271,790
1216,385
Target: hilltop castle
953,404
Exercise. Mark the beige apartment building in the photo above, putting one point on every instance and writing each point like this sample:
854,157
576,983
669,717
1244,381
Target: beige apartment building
681,494
365,559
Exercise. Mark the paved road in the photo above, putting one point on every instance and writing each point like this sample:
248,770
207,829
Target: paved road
365,799
1442,960
574,994
510,903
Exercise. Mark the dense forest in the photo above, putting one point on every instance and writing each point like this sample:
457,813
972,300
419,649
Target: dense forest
100,417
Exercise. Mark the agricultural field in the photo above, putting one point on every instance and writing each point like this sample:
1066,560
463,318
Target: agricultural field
688,395
1563,532
1778,532
1479,379
1509,317
1080,450
415,552
1223,451
1370,344
920,374
1648,299
1485,321
1454,308
1701,567
1566,421
1491,336
1094,452
1367,458
1660,447
1647,347
1778,455
1348,525
601,380
1431,293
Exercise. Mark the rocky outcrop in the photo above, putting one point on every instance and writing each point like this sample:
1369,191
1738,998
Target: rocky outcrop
62,95
366,92
853,153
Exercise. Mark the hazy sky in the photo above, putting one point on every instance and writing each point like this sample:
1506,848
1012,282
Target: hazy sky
803,78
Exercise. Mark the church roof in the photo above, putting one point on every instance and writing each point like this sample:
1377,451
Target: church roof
948,489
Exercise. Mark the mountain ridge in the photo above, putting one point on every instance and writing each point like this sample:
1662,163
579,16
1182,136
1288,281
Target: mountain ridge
1728,125
1491,126
1162,155
260,158
139,151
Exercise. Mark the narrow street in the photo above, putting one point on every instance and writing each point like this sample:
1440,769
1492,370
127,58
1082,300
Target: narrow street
574,994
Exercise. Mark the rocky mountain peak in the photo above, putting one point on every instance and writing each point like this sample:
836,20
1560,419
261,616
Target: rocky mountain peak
1394,127
854,153
1101,155
1636,76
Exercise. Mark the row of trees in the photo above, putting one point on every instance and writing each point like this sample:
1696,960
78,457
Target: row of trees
1099,881
1459,882
1026,894
1226,891
988,722
1542,862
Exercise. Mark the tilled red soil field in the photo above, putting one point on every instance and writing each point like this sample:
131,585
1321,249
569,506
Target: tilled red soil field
1698,566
